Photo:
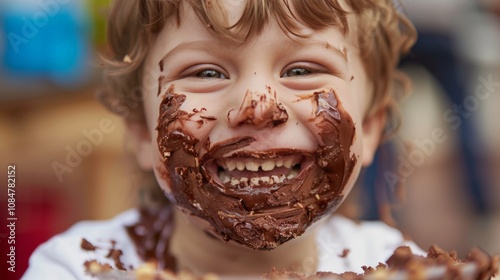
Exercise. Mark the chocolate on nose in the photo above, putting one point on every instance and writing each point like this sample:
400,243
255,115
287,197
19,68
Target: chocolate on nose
258,109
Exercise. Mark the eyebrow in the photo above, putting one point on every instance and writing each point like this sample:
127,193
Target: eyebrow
204,45
198,45
299,43
342,53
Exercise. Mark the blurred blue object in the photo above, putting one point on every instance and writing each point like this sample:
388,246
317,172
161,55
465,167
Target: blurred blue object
45,40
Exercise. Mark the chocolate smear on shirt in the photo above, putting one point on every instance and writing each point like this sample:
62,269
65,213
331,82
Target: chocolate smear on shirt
87,246
345,253
115,255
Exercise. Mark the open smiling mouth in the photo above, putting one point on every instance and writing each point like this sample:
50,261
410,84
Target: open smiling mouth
241,171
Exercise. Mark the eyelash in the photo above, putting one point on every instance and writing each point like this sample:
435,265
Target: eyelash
212,73
287,73
309,71
204,71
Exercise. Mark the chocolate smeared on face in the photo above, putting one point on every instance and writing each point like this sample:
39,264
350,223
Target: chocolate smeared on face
160,82
337,136
277,204
161,65
258,109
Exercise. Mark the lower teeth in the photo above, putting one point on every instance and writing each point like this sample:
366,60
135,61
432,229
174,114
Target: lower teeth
225,178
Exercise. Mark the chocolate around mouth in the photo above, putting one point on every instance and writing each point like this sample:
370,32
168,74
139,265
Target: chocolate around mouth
266,215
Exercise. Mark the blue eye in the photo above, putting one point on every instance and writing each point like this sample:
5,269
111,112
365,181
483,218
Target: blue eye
210,74
296,71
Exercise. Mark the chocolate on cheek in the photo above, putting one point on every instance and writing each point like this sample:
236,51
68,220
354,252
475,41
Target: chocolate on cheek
338,134
258,217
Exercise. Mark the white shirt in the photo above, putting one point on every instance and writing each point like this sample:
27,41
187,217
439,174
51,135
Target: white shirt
62,256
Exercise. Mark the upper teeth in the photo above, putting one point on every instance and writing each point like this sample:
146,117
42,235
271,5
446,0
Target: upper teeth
254,165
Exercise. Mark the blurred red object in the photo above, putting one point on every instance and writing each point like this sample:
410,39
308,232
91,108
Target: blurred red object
41,212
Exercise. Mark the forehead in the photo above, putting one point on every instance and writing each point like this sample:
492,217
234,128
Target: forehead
241,20
190,34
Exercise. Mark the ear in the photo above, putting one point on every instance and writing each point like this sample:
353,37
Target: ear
373,127
140,142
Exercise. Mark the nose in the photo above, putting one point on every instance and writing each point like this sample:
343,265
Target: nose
258,109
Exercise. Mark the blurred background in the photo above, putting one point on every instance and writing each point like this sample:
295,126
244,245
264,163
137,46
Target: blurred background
70,154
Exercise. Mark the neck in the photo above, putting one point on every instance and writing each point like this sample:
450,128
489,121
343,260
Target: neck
200,253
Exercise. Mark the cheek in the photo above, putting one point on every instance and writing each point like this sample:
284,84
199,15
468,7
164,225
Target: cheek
352,106
303,109
349,132
183,126
362,87
333,117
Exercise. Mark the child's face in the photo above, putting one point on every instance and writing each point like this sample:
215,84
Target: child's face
258,139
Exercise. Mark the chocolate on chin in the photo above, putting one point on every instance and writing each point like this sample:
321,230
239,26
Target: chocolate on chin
260,209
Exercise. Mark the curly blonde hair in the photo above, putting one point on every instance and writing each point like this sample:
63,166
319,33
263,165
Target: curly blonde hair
383,35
